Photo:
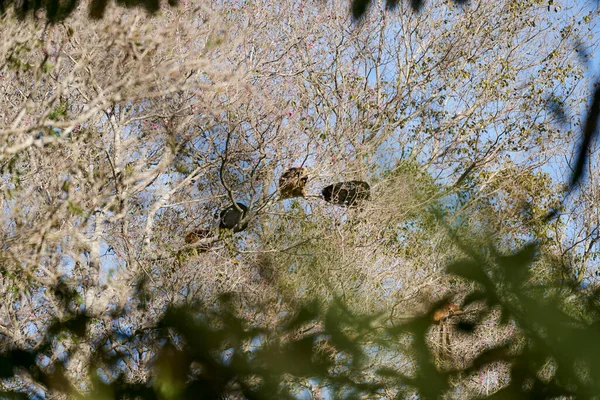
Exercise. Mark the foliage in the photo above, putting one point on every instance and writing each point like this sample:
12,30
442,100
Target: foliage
214,351
57,10
119,136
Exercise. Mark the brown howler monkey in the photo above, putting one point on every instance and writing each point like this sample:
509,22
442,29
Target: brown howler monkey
292,182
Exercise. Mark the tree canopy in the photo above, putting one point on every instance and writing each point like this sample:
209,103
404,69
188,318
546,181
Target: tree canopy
227,200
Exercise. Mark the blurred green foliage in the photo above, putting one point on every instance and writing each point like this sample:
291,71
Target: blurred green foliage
58,10
214,351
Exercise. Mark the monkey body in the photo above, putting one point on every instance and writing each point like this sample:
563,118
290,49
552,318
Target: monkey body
231,217
199,234
348,193
292,183
446,312
440,318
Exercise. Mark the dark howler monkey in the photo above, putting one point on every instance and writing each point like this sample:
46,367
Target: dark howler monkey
231,217
347,193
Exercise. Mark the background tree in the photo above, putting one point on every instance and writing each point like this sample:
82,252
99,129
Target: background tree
121,135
